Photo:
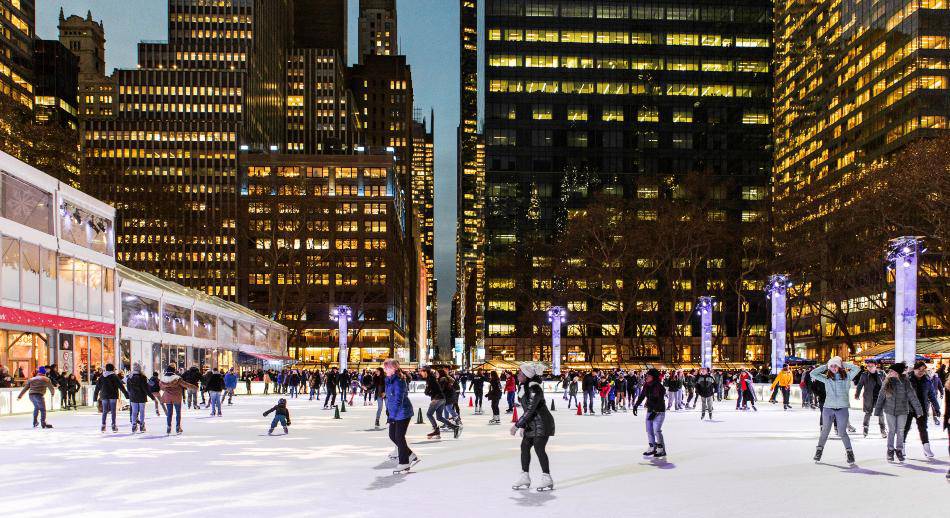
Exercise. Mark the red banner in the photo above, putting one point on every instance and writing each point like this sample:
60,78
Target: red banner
35,319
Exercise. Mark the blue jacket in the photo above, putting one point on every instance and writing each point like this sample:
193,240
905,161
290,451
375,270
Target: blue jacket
230,380
836,389
398,405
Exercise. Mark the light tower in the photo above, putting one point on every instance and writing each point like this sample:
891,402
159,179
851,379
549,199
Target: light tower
342,315
902,255
777,292
704,307
557,315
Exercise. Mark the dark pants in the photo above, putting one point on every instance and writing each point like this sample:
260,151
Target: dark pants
539,444
397,434
331,393
494,406
921,427
435,412
786,394
39,408
478,400
511,400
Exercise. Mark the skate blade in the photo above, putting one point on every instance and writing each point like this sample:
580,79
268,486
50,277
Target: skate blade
520,488
402,472
543,489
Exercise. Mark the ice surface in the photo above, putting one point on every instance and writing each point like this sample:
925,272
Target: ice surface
743,462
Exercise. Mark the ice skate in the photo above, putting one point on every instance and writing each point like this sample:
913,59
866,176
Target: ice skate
115,429
456,431
850,457
651,451
103,429
818,455
168,431
890,455
270,432
434,434
393,455
401,469
413,460
546,484
523,483
47,425
851,429
927,451
900,455
135,428
865,431
883,432
179,431
142,429
286,430
660,451
377,423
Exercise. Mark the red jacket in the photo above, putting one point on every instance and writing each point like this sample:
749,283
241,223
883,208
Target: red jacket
510,384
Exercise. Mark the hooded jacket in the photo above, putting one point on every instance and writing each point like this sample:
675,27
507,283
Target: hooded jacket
215,382
108,387
398,406
870,385
537,420
172,388
655,396
433,387
836,388
900,401
705,385
138,390
37,385
783,379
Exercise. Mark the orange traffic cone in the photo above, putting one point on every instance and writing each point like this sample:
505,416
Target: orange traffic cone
514,416
470,404
579,409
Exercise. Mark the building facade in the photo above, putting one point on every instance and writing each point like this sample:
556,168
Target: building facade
855,83
318,231
377,28
86,38
167,158
18,23
56,85
423,192
626,99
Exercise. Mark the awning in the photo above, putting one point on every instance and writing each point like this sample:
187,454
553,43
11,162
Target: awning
939,345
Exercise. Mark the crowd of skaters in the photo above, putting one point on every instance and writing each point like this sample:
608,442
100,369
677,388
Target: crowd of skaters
900,396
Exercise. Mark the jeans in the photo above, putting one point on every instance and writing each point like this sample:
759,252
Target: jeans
379,407
138,414
266,387
449,411
168,414
108,407
806,397
572,397
293,391
511,400
708,405
397,434
895,431
539,444
39,408
215,398
193,398
921,427
478,400
674,399
880,420
230,393
278,418
838,416
435,411
589,401
313,392
655,428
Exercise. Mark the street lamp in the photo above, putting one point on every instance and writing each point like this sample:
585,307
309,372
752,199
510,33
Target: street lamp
704,307
902,253
342,315
557,315
777,293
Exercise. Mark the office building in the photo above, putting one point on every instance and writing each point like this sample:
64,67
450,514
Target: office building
377,28
18,23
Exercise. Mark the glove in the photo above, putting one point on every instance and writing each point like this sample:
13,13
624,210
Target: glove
651,416
514,429
264,414
288,422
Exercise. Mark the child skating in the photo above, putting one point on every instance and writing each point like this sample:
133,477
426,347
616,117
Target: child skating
281,415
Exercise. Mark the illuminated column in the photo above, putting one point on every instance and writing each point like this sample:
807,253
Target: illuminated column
902,255
557,315
777,290
342,315
705,309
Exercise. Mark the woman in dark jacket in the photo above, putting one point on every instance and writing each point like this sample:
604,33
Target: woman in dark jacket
654,394
155,387
895,401
494,396
107,391
536,425
379,391
139,393
399,412
437,402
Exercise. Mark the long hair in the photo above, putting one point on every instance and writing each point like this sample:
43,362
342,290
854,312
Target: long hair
890,382
394,363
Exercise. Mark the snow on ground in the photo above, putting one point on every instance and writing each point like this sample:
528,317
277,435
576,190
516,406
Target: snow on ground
740,462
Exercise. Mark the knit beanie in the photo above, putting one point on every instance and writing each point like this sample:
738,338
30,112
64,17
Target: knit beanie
899,368
42,371
655,373
835,361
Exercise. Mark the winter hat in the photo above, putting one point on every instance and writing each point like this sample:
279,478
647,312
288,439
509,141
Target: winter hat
835,361
136,368
899,368
169,370
110,367
919,364
531,369
42,371
655,373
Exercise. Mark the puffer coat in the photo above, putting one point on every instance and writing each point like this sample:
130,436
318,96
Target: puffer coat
537,420
900,402
870,384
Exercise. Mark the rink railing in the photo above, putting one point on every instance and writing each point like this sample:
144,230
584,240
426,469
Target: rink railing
9,404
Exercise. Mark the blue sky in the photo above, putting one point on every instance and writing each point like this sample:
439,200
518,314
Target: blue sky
428,35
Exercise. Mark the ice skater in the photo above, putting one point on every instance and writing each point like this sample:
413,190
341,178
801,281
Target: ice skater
870,382
921,383
836,377
895,400
494,396
705,391
399,411
281,416
536,426
783,382
172,389
655,394
37,387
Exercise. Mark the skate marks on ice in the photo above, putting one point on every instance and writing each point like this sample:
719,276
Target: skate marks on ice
855,469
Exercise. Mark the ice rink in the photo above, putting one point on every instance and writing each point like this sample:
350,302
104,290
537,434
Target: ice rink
740,463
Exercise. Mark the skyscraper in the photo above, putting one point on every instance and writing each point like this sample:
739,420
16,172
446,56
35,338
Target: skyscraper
321,24
56,84
168,155
377,28
624,99
85,38
470,224
18,23
423,192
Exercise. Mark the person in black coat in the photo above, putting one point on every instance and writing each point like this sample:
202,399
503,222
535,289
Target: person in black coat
478,387
870,382
536,426
494,396
215,386
921,384
588,386
655,396
139,394
107,392
332,382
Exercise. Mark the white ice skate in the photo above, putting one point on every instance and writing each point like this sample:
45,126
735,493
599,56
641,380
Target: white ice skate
401,469
413,460
523,483
393,455
547,484
927,451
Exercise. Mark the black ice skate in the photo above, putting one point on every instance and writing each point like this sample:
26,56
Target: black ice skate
890,455
660,451
818,455
900,455
850,457
651,451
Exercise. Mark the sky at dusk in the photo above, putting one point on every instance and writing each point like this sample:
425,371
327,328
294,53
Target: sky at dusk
428,36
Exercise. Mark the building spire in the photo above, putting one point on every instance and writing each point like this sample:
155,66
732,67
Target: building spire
89,15
62,16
